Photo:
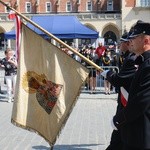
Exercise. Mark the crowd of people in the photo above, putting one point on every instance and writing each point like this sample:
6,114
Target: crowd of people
105,57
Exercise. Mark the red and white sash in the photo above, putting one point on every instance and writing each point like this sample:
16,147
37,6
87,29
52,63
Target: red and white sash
13,16
124,96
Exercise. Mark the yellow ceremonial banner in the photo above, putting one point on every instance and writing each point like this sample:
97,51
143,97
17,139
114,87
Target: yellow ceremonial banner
48,85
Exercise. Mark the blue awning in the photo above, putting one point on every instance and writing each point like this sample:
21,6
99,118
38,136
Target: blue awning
10,35
63,27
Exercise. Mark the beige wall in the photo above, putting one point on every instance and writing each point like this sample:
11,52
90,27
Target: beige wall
102,26
6,26
131,14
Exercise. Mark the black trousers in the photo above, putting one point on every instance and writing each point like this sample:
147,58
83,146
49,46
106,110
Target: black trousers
125,147
115,143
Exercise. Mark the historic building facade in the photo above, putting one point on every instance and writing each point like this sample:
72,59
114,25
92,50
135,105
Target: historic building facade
109,17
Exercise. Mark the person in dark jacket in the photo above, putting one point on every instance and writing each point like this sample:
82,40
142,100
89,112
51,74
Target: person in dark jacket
134,120
121,80
9,63
106,61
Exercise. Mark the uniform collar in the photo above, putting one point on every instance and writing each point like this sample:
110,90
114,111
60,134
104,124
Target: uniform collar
146,54
141,58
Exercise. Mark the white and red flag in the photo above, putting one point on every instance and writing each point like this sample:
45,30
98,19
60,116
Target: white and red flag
13,16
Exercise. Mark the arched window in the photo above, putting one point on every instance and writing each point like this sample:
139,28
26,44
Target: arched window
110,38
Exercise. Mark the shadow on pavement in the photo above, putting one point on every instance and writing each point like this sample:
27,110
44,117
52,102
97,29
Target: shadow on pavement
66,147
41,147
3,97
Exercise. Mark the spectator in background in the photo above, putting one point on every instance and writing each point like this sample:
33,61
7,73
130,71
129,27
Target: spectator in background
100,50
9,63
120,59
85,52
89,52
106,61
92,75
76,57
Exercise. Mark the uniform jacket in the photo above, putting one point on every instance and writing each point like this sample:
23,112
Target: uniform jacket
134,119
125,75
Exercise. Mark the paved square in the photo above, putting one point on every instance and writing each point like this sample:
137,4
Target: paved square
88,127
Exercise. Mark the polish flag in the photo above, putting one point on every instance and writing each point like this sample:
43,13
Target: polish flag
13,16
124,96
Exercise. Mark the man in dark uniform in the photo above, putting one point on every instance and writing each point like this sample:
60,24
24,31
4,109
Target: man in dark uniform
134,120
121,80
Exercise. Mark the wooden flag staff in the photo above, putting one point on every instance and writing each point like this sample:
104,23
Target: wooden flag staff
54,37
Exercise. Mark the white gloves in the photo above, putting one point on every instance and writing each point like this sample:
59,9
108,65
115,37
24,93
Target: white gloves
104,73
113,126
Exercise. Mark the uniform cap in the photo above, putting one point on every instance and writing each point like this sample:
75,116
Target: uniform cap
140,28
124,37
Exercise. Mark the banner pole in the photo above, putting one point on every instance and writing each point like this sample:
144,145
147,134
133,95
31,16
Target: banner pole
54,37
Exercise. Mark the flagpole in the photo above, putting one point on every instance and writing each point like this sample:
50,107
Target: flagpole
54,37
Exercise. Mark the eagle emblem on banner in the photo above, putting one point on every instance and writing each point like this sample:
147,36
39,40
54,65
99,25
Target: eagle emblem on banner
47,92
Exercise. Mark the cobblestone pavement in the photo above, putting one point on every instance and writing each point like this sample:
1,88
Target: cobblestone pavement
88,127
